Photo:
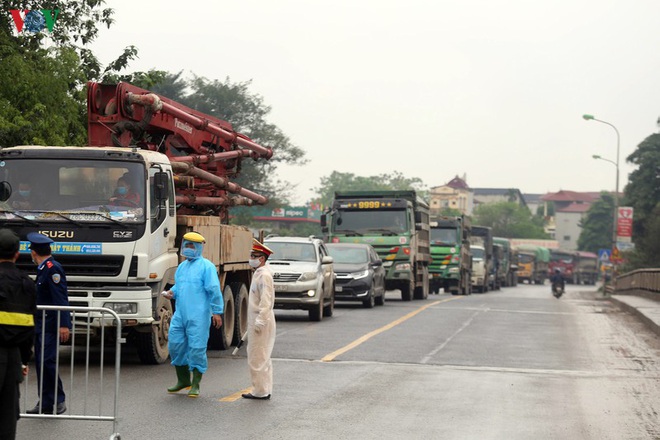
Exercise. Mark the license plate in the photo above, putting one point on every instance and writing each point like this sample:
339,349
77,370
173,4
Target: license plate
280,287
338,288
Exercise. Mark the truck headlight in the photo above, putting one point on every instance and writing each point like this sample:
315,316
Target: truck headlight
453,270
307,276
361,274
122,308
402,266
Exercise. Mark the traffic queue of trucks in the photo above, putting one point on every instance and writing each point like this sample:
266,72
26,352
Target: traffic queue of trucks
178,163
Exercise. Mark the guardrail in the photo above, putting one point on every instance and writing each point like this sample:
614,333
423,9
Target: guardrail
643,282
89,395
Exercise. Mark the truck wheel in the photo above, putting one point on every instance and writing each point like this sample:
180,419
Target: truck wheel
407,290
329,308
422,292
152,346
240,314
220,339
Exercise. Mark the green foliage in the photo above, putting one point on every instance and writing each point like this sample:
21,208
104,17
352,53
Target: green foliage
509,220
450,212
42,94
338,181
233,102
597,225
643,194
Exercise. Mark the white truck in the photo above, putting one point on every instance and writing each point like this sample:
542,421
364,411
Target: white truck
121,255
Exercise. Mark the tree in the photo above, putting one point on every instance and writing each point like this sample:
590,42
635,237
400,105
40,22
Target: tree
643,193
597,225
509,220
247,113
338,181
42,74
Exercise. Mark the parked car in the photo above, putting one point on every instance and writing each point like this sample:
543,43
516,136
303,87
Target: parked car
360,275
303,275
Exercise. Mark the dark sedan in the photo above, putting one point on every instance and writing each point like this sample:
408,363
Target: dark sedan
359,271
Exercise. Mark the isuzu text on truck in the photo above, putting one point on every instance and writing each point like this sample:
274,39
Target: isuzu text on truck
121,255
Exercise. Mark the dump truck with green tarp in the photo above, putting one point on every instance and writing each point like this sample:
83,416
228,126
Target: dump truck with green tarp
533,263
396,224
508,266
451,261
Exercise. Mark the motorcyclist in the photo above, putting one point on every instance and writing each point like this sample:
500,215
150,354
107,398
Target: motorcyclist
557,279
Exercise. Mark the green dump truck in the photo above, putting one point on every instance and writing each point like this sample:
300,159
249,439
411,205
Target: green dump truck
451,261
508,265
396,224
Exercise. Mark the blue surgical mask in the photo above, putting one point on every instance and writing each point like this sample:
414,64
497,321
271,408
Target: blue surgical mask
122,190
24,193
189,253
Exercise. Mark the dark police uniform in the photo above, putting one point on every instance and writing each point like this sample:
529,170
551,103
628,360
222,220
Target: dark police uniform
17,309
51,290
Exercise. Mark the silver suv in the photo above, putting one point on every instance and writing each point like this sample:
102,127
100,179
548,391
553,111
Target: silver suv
303,275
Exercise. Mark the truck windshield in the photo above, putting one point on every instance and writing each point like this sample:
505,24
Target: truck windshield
525,259
73,190
477,253
380,222
561,258
444,236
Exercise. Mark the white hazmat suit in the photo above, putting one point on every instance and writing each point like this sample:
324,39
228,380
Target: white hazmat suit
261,331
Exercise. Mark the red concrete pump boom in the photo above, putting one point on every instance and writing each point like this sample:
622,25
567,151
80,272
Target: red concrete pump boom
205,152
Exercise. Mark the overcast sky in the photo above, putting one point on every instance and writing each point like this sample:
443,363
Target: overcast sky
493,90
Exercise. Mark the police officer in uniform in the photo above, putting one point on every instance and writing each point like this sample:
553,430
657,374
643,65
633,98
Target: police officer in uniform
17,308
52,291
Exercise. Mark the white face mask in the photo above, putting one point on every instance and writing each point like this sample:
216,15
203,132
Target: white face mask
256,262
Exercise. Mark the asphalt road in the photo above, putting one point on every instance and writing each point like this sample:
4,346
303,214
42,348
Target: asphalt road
512,364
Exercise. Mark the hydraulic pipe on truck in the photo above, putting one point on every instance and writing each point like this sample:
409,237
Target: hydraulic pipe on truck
155,104
220,182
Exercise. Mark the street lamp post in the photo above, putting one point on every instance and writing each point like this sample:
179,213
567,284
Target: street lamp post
616,164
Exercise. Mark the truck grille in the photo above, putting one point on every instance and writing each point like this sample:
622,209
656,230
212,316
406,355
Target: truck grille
78,265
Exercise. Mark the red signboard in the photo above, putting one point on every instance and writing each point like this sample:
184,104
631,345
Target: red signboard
624,224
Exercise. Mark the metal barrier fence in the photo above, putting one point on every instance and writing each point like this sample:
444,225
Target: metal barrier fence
645,282
89,323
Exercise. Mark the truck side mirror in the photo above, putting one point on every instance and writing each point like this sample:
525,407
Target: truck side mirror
161,186
5,191
323,221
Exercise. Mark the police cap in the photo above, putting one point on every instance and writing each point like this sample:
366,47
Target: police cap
9,241
38,240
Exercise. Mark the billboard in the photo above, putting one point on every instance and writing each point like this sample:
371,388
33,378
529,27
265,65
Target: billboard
624,224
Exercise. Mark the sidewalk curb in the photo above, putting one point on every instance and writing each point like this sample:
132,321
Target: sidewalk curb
635,311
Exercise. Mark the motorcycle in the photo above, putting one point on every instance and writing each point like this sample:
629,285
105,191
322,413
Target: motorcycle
557,290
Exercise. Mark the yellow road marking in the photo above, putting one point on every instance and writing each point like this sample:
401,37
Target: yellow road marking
234,397
330,357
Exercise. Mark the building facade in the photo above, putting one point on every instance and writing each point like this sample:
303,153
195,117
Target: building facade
455,194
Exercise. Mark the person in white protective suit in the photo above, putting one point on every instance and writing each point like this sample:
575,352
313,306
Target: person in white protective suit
261,324
199,303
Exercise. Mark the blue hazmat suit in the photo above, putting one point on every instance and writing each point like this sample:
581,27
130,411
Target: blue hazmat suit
197,294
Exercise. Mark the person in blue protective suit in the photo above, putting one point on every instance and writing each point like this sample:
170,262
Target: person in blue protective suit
51,291
199,304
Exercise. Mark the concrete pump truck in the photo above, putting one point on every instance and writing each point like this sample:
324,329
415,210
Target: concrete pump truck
121,252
